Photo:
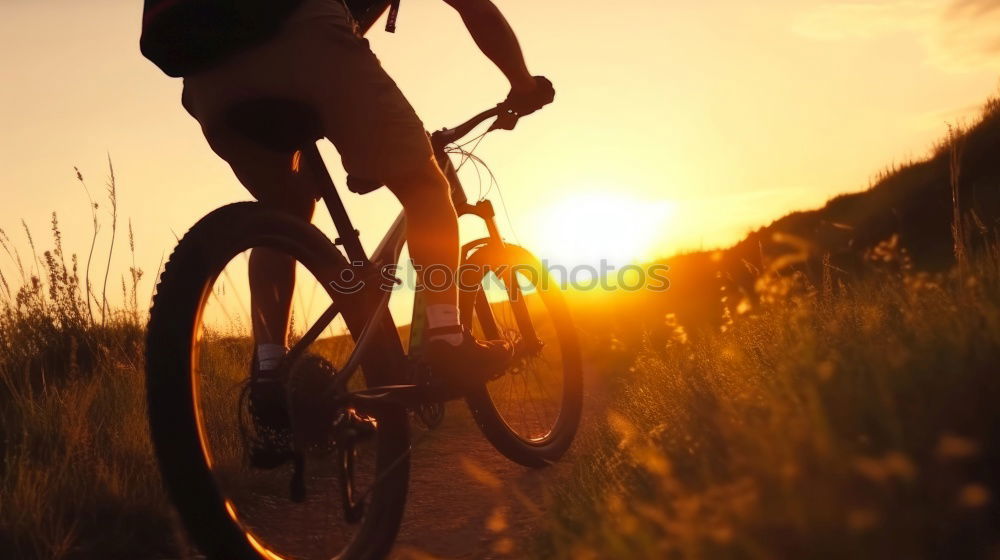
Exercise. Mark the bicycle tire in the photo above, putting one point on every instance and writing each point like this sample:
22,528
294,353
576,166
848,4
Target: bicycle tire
190,272
481,402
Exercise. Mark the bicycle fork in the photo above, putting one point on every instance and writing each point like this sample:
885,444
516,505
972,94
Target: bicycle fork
485,211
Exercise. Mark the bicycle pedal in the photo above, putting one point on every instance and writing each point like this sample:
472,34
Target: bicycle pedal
351,428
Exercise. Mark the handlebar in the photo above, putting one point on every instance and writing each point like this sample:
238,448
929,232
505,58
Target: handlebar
446,136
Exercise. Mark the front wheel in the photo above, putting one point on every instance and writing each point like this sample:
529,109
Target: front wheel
530,413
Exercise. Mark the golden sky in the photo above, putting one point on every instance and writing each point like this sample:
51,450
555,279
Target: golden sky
705,119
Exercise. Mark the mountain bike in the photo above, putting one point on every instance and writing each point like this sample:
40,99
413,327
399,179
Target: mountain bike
350,380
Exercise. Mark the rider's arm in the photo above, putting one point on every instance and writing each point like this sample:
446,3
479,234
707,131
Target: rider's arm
493,35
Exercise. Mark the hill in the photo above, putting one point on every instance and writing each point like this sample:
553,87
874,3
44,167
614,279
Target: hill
907,216
826,388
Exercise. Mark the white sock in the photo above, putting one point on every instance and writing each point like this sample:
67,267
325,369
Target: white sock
269,356
444,315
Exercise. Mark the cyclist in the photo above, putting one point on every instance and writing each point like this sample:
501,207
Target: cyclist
309,51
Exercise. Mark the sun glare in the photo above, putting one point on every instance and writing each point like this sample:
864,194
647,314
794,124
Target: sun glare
591,228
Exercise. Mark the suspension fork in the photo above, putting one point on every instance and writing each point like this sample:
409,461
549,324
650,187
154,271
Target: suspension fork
485,211
483,208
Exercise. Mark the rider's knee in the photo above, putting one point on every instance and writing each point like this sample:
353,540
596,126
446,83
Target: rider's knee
421,184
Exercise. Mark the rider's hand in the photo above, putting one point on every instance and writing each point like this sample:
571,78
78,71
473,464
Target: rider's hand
527,102
521,103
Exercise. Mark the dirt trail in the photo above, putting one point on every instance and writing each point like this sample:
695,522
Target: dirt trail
467,500
463,499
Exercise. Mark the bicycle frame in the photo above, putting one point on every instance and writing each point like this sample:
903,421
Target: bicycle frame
380,330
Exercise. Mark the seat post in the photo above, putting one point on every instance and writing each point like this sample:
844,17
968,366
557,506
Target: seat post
348,236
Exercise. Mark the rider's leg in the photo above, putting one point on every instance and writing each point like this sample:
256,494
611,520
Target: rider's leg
271,180
272,273
272,282
432,235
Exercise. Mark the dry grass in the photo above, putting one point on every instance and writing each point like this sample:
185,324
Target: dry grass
857,422
78,478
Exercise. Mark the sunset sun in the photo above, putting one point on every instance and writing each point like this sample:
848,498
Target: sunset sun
588,228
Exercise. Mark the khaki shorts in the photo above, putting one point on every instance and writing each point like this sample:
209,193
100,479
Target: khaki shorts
318,59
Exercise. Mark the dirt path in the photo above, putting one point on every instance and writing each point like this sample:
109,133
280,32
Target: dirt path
467,500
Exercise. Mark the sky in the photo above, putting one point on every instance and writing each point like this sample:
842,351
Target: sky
677,125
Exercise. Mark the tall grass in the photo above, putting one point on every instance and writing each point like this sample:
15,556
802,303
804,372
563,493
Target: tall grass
857,422
77,478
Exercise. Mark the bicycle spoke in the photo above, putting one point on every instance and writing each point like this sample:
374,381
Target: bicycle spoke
313,333
261,501
524,396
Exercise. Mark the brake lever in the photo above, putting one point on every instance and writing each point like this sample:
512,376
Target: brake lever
506,120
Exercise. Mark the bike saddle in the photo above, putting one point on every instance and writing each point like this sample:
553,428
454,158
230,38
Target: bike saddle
281,125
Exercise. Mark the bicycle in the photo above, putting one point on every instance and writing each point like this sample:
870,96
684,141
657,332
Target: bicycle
360,447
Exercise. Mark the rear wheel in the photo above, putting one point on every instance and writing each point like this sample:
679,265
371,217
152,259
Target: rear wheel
198,357
532,411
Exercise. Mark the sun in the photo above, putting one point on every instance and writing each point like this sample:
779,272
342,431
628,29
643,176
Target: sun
595,228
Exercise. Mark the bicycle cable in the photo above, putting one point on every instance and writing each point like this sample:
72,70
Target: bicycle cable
469,155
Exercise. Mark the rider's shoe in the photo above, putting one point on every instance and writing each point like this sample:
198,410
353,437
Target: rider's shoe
271,443
455,369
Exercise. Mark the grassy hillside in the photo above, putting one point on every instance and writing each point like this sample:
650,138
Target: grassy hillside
916,202
77,479
909,211
827,388
862,424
